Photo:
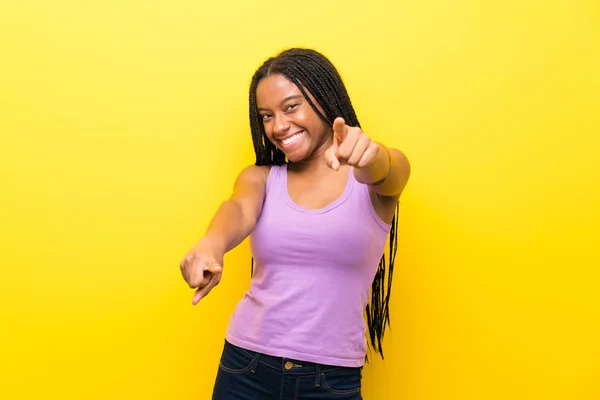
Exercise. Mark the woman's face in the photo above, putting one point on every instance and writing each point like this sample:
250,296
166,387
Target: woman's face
290,122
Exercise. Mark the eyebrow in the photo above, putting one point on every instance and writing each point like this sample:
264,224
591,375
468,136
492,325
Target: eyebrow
292,97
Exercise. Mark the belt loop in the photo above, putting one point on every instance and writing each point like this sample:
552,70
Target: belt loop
254,363
318,376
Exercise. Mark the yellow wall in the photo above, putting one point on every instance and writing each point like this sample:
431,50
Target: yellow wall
123,125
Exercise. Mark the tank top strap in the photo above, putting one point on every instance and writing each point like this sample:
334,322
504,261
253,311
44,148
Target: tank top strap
275,177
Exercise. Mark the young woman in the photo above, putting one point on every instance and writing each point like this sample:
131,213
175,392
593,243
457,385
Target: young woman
318,206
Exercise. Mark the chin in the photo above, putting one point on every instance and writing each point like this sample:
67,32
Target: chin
295,156
292,158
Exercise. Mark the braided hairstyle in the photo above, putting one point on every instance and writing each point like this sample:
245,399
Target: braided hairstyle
311,71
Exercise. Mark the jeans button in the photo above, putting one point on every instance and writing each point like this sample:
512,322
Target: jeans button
288,365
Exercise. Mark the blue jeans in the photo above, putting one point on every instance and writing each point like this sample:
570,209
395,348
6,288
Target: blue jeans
247,375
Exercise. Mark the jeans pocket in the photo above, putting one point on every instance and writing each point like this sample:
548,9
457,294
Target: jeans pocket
236,360
342,380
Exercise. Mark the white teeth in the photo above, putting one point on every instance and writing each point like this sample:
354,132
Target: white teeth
292,139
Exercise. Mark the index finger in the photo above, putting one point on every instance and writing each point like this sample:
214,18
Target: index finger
340,129
208,271
201,292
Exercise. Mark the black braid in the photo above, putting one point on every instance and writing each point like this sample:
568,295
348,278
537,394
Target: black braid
313,72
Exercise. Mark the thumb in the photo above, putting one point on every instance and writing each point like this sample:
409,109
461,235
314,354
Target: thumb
211,279
208,272
215,268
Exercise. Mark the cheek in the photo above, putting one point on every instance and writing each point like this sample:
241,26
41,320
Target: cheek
311,121
267,128
268,131
319,128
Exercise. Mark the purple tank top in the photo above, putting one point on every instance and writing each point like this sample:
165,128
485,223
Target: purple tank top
312,277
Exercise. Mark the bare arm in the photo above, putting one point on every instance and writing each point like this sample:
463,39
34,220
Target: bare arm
385,171
232,223
388,174
236,217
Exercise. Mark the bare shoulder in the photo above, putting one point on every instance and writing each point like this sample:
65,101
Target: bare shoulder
401,169
249,192
254,174
385,205
401,159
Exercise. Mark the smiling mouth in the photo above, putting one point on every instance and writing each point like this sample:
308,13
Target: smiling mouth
292,139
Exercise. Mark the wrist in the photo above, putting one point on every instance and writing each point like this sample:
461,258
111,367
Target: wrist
377,172
213,244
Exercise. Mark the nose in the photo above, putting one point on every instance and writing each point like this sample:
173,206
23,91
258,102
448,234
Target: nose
281,125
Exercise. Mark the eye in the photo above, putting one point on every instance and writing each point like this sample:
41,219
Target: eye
291,107
266,116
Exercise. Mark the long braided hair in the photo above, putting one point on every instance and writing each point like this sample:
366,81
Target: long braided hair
311,71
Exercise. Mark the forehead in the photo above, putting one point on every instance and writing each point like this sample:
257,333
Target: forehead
275,88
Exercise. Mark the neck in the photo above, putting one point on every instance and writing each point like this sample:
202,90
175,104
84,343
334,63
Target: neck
315,165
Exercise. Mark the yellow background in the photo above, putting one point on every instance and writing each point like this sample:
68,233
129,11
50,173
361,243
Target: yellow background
124,123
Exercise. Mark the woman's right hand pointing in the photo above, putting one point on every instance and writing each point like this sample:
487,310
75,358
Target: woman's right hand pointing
201,268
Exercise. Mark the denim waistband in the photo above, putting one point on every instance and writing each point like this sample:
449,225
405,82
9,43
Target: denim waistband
289,365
